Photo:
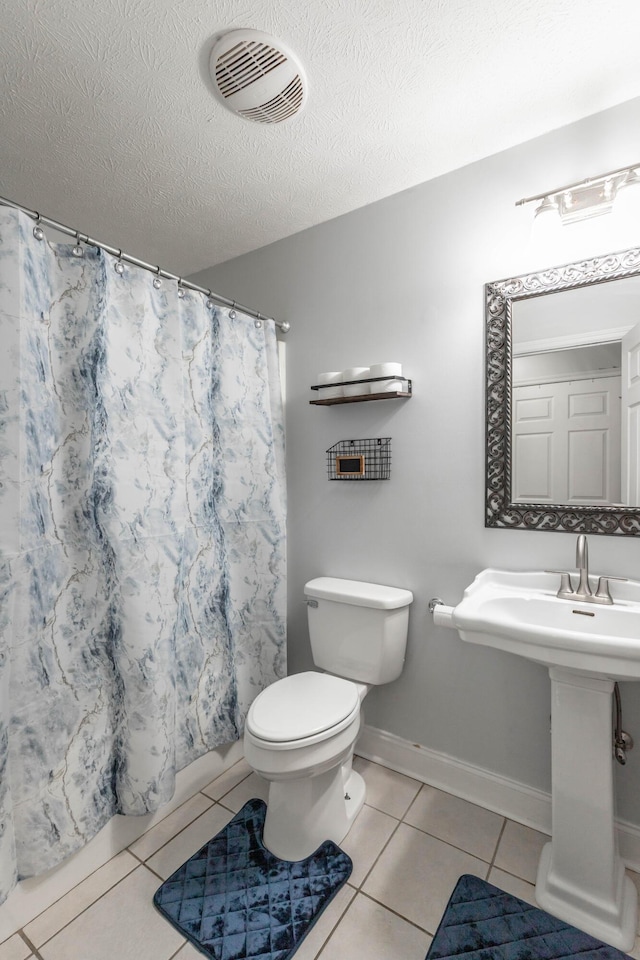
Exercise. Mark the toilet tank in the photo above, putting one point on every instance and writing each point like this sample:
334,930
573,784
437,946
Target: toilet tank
358,630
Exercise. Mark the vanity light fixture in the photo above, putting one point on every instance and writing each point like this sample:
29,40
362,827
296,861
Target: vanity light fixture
587,198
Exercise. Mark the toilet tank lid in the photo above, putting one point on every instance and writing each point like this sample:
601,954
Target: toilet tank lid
358,592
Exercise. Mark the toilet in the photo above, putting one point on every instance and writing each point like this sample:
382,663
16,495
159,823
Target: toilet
300,732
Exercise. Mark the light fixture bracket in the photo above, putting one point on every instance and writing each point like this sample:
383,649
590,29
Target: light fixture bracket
586,198
590,200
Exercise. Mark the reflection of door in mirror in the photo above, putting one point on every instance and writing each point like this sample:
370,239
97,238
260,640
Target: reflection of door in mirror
566,427
630,406
576,396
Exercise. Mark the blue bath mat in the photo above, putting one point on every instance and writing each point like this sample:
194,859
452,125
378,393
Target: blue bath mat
235,901
485,923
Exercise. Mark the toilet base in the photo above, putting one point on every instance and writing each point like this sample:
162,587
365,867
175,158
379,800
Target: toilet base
302,814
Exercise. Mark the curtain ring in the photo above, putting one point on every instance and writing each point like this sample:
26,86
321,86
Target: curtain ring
119,265
232,312
157,282
38,232
258,322
181,290
77,250
210,303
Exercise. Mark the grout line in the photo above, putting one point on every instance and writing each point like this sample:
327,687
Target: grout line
127,849
140,863
71,889
212,803
174,955
151,870
88,907
368,803
400,916
383,848
495,852
515,876
448,843
338,921
218,799
30,945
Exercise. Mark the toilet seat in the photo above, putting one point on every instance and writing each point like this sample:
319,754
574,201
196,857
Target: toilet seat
305,706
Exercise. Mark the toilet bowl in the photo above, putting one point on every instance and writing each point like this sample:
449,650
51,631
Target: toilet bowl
299,735
300,732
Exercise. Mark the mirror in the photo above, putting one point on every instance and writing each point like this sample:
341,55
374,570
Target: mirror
563,398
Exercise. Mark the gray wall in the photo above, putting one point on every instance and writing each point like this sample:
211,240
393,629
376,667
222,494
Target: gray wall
403,280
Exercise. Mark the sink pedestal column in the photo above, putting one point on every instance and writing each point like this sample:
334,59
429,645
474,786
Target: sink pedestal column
581,877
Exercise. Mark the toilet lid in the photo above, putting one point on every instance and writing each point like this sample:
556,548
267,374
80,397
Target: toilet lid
301,706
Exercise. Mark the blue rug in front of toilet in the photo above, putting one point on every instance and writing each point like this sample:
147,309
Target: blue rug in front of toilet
235,901
482,922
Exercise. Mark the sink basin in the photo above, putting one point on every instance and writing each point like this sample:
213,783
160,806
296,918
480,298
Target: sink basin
519,612
587,647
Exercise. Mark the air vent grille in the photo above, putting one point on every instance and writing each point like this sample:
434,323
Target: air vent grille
257,76
284,105
244,64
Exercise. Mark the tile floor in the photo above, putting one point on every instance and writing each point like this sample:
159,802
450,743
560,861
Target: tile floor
409,845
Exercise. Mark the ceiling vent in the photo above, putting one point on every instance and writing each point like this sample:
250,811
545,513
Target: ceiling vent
257,76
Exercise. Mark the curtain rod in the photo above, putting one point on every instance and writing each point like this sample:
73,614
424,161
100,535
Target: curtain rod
284,325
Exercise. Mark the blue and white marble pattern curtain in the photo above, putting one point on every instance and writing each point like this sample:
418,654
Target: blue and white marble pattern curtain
142,539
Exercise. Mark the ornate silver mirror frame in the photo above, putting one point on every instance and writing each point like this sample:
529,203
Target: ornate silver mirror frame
500,297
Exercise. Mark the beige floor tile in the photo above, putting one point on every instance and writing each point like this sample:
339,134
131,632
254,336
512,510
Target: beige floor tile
73,903
14,949
252,786
123,924
456,821
415,875
188,953
513,885
228,780
365,841
519,851
185,844
315,939
387,790
369,930
153,839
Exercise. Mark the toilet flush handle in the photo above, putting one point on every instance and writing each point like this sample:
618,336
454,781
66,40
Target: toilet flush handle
310,603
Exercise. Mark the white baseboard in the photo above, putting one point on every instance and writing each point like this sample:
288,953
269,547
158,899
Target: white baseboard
32,896
509,798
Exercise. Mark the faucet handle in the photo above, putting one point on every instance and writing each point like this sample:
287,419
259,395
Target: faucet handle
566,587
603,588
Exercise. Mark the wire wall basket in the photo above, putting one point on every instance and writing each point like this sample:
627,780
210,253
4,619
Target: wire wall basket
368,459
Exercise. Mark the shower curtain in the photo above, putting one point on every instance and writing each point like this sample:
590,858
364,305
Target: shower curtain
142,538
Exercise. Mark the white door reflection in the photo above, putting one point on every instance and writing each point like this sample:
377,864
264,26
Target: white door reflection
576,396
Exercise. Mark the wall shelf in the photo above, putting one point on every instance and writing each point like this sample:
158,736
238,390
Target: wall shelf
363,398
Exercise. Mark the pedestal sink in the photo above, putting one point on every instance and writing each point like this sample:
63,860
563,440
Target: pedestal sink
587,647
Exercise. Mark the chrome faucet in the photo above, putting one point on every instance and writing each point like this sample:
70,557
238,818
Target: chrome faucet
583,591
582,563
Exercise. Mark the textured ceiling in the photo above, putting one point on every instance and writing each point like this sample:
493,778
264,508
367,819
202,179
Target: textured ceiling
108,123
